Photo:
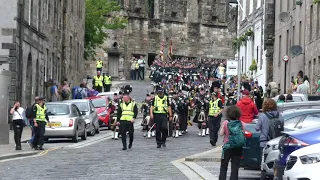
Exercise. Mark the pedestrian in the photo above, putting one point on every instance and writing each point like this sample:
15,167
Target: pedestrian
54,92
248,108
29,116
40,117
99,65
233,142
289,98
133,68
214,118
127,113
281,99
66,91
17,123
141,63
159,111
269,118
98,82
107,82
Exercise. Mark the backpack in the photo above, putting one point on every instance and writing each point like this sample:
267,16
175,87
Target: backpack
29,112
64,94
275,126
236,138
78,94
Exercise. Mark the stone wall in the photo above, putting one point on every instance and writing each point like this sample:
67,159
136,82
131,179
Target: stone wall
196,28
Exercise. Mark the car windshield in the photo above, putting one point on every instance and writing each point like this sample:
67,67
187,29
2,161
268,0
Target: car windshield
296,98
82,106
100,102
58,109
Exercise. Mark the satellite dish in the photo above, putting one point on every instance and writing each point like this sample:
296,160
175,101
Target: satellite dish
284,17
296,50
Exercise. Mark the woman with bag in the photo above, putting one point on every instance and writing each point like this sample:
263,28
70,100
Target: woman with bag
233,141
18,123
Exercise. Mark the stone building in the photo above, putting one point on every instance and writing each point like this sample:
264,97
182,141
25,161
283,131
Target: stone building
42,40
257,17
288,32
197,28
312,42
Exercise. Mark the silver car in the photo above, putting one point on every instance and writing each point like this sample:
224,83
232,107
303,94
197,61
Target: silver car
91,118
66,121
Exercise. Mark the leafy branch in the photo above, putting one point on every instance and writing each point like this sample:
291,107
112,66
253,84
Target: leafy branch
242,40
316,1
98,19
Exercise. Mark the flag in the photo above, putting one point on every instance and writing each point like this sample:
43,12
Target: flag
170,50
161,50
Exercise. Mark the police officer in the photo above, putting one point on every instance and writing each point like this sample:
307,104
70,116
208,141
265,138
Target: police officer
159,111
127,113
107,82
40,117
98,82
214,118
99,65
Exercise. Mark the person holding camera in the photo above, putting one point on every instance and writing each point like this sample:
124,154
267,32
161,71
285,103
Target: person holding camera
18,123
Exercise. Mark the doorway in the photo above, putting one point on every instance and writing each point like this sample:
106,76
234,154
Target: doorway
151,58
113,62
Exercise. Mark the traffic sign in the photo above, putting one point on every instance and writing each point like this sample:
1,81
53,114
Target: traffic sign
285,58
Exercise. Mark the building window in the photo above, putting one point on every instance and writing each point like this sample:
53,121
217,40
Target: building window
251,6
280,6
258,3
287,43
280,49
318,19
30,11
293,34
288,5
300,32
311,21
244,7
72,6
70,50
294,4
151,9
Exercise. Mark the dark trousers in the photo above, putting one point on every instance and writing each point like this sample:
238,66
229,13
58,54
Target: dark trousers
161,121
39,133
171,127
133,74
141,73
98,88
214,126
183,121
124,127
107,87
235,156
17,129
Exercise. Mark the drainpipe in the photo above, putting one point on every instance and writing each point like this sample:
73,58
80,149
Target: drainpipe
20,60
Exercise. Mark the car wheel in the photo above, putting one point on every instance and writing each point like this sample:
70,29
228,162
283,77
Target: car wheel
98,130
92,130
84,136
75,136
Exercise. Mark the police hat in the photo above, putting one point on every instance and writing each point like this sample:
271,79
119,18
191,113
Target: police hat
41,99
120,93
152,93
214,94
126,93
115,94
148,94
160,90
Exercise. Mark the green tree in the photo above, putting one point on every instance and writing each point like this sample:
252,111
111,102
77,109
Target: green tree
100,16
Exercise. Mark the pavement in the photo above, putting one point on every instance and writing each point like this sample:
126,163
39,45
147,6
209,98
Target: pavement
100,157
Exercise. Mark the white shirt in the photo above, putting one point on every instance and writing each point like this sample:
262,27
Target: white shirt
17,115
141,62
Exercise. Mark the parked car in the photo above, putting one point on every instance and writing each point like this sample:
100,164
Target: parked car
295,97
101,105
299,119
251,151
66,121
109,94
91,118
294,140
303,163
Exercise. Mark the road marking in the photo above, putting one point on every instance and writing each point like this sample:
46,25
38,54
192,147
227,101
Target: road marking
200,171
187,171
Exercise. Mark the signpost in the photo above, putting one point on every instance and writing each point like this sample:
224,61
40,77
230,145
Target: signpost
232,68
285,58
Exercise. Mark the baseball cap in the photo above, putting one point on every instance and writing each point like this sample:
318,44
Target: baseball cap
245,92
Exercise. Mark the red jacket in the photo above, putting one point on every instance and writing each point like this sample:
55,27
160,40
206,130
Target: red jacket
248,109
221,97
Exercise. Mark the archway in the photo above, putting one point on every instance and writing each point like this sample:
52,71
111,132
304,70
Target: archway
29,80
151,58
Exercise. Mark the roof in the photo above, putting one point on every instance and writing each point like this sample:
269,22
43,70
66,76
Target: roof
64,102
95,97
76,100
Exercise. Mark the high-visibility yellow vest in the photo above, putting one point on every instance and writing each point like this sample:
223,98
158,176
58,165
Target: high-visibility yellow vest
160,105
107,79
98,81
137,65
127,111
214,107
41,113
99,64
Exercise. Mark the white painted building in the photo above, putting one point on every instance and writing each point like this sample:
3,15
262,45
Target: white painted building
251,17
